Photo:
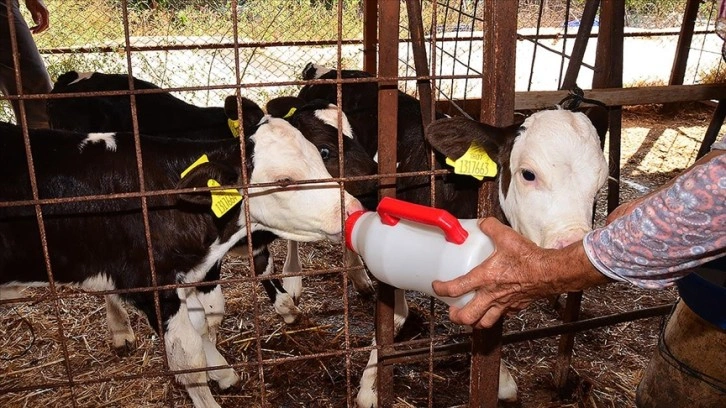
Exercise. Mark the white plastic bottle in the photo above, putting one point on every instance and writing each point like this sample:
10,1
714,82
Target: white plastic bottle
408,246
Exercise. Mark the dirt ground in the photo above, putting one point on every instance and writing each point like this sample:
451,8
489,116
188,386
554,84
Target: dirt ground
317,361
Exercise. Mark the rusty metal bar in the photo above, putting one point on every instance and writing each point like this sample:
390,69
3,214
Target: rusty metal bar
257,44
447,350
713,128
389,15
571,313
370,36
497,108
22,122
609,74
581,40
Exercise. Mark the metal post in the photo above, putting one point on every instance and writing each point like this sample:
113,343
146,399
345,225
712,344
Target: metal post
387,138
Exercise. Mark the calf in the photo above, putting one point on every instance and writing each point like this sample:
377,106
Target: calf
318,120
158,113
549,169
186,239
164,115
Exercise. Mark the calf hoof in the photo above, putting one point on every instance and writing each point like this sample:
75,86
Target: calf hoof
285,307
367,290
366,398
229,382
124,349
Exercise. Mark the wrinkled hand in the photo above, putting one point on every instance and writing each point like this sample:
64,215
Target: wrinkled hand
511,278
40,15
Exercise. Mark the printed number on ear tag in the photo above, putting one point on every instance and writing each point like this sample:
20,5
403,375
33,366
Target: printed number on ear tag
475,162
223,200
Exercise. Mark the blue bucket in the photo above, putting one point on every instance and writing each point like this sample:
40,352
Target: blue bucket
704,291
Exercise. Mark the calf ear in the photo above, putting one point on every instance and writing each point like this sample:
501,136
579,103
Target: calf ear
281,107
453,136
600,118
199,176
249,108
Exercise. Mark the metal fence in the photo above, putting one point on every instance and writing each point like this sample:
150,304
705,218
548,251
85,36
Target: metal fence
55,353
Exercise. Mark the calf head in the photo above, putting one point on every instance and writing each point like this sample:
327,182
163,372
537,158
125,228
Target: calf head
550,168
318,121
278,153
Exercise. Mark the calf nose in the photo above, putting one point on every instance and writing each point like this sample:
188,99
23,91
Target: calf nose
353,206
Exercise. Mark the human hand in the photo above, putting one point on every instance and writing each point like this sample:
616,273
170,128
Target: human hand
507,281
40,15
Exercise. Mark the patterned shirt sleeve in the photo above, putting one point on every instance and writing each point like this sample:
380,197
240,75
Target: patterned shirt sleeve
669,233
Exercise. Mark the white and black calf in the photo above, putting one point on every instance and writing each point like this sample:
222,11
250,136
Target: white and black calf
549,169
101,244
165,115
158,113
318,120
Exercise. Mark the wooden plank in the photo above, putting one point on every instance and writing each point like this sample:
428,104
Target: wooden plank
537,100
678,72
578,50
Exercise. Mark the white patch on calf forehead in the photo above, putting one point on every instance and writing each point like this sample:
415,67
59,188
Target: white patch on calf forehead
329,116
555,138
281,151
562,149
108,138
320,70
81,77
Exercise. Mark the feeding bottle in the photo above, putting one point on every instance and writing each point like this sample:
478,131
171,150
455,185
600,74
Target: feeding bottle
408,246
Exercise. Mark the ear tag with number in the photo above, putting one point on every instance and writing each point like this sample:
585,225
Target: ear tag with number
223,200
475,162
233,127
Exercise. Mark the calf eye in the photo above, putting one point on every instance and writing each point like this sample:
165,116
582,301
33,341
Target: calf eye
325,153
528,175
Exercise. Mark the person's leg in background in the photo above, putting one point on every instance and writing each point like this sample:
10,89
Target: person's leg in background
34,76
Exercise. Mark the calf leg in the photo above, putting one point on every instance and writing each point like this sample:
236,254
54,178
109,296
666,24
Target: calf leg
293,284
198,304
367,394
122,335
358,276
507,385
185,350
282,302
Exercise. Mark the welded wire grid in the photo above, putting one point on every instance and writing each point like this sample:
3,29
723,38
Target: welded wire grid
546,31
191,46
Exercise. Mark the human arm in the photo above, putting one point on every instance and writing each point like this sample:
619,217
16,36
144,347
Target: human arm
627,208
40,15
667,233
517,273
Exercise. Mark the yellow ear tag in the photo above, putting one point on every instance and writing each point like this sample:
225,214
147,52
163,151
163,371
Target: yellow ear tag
475,162
290,113
233,127
203,159
223,200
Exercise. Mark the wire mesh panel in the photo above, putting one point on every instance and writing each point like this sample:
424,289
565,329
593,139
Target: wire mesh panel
57,346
